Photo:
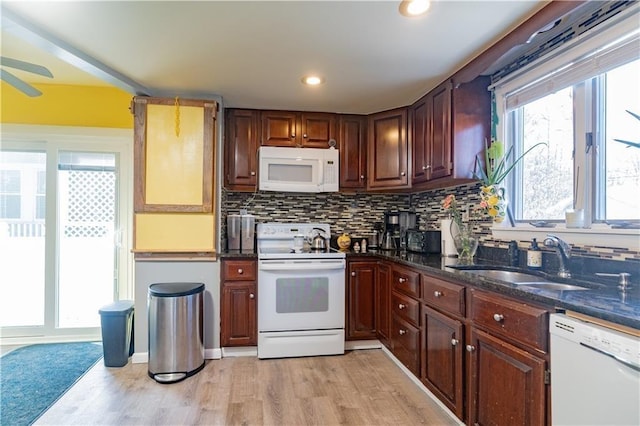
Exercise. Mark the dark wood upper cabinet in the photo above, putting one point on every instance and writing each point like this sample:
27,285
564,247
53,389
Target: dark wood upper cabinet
448,127
317,129
297,129
279,128
241,144
419,135
388,150
430,133
440,123
352,144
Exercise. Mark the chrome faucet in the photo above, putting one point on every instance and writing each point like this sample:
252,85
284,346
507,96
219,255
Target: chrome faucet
564,254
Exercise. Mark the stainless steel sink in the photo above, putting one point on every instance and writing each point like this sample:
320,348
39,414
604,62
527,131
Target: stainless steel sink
524,280
547,285
508,276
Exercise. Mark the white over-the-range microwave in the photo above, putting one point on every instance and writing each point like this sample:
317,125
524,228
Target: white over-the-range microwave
298,169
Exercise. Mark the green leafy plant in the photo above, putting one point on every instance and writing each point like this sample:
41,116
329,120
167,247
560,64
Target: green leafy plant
497,164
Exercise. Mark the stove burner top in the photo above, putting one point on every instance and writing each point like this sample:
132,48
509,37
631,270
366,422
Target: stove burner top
275,241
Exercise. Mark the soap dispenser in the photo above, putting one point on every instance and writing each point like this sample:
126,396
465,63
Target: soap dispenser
534,256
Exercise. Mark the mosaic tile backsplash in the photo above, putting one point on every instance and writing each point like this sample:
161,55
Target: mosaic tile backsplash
356,214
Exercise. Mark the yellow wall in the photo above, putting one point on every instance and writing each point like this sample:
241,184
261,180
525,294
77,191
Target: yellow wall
64,105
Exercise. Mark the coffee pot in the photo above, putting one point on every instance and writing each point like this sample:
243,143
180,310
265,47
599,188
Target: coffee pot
317,241
389,241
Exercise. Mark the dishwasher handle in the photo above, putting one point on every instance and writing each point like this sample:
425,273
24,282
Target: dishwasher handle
615,357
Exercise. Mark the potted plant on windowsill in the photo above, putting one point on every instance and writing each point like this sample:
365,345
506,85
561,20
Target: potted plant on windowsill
497,166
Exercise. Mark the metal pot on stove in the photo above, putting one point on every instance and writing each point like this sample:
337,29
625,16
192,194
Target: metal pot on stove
316,241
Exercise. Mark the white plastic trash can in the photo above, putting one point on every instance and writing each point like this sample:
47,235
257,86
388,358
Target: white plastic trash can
176,341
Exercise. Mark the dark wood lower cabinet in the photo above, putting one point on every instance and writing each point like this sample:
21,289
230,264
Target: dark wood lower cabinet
361,302
383,303
238,303
506,384
239,311
406,343
442,364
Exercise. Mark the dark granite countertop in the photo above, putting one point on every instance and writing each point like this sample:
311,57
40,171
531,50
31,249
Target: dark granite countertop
237,254
602,300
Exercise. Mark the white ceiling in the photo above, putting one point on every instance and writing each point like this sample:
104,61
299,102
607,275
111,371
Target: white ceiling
253,54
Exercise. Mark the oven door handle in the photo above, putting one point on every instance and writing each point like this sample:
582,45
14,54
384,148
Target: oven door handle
299,265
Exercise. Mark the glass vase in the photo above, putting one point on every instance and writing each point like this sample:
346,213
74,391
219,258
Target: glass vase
466,244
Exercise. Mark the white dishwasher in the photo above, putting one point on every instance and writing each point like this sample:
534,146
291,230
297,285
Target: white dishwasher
595,374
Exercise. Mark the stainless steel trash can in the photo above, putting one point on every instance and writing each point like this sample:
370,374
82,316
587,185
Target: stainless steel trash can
176,341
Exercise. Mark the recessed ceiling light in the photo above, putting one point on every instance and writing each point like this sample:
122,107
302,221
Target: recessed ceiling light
414,8
312,80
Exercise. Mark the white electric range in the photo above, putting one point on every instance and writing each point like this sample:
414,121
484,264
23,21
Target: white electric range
301,293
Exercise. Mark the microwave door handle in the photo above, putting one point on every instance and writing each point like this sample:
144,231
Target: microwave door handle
300,266
321,174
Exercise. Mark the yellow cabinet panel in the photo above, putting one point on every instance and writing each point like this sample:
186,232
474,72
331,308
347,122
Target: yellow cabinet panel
174,162
174,155
174,233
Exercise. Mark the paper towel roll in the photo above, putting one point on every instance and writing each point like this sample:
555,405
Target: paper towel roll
448,247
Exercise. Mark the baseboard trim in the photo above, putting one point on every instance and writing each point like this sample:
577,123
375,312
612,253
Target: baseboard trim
21,341
362,344
420,385
140,358
239,351
215,353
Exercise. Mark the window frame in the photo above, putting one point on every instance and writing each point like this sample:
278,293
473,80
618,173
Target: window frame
615,28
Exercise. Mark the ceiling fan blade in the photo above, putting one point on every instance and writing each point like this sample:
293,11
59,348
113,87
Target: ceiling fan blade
25,88
25,66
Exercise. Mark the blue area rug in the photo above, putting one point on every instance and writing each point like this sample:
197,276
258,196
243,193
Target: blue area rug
33,377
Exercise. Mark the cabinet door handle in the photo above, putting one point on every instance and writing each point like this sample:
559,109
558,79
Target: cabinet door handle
401,306
437,293
353,274
240,271
402,332
304,135
253,173
361,177
401,280
454,342
402,173
498,317
251,295
471,348
293,135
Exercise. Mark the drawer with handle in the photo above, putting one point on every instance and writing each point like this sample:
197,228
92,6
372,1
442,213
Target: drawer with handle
406,281
406,343
406,307
519,321
239,270
443,295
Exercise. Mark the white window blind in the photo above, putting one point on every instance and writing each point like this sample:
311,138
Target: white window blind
595,64
574,63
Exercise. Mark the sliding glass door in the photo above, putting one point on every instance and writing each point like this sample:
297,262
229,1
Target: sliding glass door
22,240
53,283
86,213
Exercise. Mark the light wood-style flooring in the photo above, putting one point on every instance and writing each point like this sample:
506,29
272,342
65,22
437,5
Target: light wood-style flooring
360,388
